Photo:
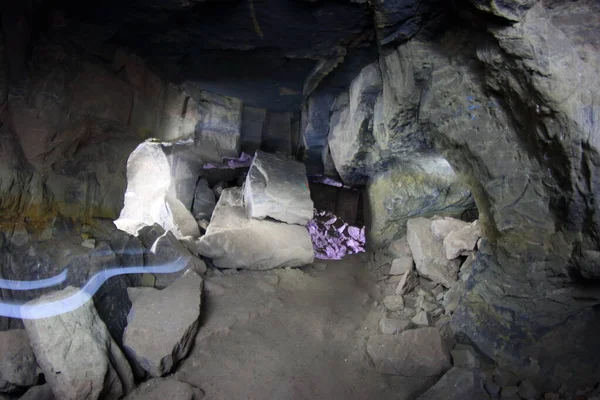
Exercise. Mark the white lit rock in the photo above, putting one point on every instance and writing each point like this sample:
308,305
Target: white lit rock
160,189
277,187
233,240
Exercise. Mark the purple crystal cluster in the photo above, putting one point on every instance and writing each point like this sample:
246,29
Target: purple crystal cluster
333,238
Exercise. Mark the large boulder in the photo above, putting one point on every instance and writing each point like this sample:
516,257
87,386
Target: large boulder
162,324
160,389
233,240
18,368
428,253
277,187
413,353
160,189
218,132
79,358
424,187
458,384
350,134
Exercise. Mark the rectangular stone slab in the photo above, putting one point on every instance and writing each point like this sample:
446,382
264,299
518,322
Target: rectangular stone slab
277,187
233,240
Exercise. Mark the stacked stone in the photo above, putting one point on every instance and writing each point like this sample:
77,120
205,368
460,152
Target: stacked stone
262,225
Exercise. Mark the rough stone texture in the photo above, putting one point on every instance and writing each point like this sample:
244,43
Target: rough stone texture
464,356
462,242
160,388
277,187
42,392
253,124
458,384
401,265
400,248
167,249
409,281
166,199
79,358
443,227
525,111
420,188
148,234
351,128
277,136
453,296
422,319
18,368
273,244
512,10
204,200
391,326
160,331
218,132
315,130
428,253
417,352
393,303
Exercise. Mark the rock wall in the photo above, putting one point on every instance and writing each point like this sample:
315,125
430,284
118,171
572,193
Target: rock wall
513,108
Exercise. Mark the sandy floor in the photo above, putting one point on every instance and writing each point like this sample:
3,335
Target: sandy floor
292,334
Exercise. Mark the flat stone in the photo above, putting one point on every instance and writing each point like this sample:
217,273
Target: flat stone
457,384
161,389
409,281
391,326
89,243
412,353
443,227
18,368
428,253
273,244
277,187
465,357
394,303
160,331
462,242
204,200
75,351
401,265
421,319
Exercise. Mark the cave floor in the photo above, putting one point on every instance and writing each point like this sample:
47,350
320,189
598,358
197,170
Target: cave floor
292,334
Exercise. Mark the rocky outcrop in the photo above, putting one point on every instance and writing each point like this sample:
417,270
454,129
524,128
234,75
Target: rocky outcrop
274,244
160,331
18,368
351,128
426,187
79,358
276,187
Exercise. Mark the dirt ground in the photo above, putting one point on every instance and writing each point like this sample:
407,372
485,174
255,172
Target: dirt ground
292,334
